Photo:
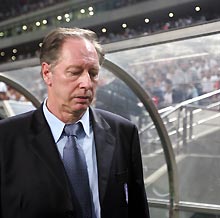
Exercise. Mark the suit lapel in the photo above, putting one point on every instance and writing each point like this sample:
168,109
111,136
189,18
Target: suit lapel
43,145
105,145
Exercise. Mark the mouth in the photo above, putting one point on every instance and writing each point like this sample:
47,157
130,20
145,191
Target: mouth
82,99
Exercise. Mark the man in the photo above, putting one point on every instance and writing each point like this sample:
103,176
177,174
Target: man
35,182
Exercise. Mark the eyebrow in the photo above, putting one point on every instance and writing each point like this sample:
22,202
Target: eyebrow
74,66
78,67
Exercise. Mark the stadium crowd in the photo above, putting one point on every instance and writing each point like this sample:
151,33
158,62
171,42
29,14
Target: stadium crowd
15,8
171,82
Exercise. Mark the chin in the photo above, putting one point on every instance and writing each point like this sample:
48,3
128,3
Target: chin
81,108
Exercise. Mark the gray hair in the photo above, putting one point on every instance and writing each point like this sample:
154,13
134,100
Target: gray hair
53,42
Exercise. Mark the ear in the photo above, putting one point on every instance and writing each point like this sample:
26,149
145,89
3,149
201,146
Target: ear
46,73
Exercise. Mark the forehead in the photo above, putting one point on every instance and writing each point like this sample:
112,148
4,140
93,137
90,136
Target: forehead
79,48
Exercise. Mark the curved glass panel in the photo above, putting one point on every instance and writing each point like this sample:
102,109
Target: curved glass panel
192,66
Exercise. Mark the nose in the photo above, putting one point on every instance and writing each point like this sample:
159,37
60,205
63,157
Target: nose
85,80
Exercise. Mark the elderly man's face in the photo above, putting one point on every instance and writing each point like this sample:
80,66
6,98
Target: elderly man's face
72,81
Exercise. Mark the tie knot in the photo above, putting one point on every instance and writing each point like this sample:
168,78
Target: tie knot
73,129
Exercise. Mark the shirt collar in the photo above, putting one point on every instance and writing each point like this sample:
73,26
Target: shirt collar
57,125
86,122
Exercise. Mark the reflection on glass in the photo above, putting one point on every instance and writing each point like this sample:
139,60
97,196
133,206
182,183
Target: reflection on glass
115,96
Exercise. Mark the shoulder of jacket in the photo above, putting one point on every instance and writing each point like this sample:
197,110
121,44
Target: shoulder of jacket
112,117
14,120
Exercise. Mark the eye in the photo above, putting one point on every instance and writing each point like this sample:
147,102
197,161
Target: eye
73,73
94,74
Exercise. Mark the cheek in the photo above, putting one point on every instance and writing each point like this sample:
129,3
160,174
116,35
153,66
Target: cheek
65,86
62,89
70,91
95,84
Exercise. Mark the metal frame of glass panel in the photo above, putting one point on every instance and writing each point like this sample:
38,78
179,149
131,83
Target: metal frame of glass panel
20,88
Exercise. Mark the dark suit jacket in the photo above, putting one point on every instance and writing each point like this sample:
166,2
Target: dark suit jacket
33,179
